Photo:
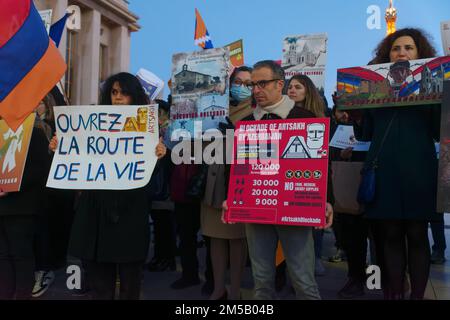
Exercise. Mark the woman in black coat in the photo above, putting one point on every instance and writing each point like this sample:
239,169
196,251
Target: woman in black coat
111,231
406,175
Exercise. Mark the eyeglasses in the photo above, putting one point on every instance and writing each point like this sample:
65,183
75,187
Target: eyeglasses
239,82
261,84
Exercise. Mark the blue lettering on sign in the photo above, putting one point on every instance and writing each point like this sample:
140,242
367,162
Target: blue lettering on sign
63,126
136,145
100,172
90,142
60,147
115,122
137,171
74,145
101,121
73,169
61,175
121,173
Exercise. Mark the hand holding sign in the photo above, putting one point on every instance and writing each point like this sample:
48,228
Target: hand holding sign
109,147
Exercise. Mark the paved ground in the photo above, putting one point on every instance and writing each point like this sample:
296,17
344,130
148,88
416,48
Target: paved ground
156,285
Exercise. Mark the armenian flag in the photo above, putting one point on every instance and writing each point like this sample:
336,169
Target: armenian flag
201,36
30,63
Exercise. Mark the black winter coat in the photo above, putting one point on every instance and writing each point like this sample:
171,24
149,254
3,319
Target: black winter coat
406,177
111,226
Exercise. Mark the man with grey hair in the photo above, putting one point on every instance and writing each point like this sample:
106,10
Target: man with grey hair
297,241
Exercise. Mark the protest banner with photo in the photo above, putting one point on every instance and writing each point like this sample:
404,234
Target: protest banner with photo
152,85
279,174
200,90
13,153
306,55
443,200
236,53
104,147
46,16
344,138
403,83
445,34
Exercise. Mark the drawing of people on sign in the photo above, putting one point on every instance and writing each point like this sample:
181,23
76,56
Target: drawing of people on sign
13,144
398,74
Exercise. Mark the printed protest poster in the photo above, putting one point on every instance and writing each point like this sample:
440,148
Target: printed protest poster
279,173
104,147
152,85
13,153
445,34
200,90
403,83
307,55
443,200
344,138
236,53
46,16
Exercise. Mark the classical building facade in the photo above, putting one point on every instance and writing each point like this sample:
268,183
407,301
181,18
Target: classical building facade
100,47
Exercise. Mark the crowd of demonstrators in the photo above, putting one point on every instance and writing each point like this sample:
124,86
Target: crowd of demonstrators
405,197
227,242
267,81
109,230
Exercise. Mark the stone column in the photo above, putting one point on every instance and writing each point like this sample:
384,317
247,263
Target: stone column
120,49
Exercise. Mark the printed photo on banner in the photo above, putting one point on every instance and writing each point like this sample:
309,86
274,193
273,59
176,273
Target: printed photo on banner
403,83
443,201
46,16
344,138
279,173
445,34
13,153
200,90
104,147
306,55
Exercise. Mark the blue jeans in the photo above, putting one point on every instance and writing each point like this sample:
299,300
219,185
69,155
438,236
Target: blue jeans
298,249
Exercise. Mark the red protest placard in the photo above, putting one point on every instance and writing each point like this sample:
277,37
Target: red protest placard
279,173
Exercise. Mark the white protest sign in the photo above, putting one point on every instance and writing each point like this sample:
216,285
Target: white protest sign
344,138
104,147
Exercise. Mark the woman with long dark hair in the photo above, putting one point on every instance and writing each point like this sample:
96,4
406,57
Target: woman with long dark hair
110,231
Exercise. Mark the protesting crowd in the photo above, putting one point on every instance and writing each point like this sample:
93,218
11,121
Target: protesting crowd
111,232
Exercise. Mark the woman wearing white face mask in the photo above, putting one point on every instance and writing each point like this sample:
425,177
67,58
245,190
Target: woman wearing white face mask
228,243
